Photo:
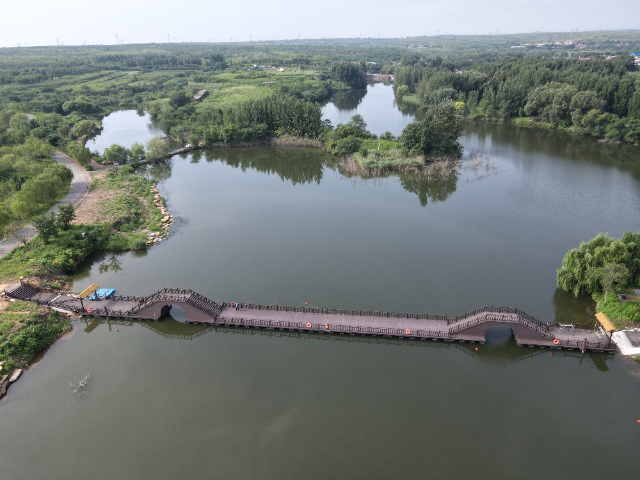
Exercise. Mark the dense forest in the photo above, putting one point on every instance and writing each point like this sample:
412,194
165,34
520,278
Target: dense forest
599,96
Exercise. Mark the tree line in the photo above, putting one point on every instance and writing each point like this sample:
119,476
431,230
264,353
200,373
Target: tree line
599,97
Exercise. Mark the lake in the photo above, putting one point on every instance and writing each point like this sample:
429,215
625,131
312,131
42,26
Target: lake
285,225
124,127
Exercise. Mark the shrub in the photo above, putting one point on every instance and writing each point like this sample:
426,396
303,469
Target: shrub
138,243
348,146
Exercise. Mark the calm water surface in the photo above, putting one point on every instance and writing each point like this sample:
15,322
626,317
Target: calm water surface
125,128
285,225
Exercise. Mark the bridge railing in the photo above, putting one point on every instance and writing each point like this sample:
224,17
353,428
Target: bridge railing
338,311
332,328
605,344
502,318
169,295
486,309
127,298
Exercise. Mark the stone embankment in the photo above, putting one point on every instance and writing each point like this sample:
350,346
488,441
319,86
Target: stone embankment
7,380
167,220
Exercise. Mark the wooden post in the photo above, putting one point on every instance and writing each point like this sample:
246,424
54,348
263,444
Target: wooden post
106,313
584,345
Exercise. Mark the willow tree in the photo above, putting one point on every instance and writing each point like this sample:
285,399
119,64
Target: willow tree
580,266
611,275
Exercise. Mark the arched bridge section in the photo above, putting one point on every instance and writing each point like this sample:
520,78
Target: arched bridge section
470,327
195,305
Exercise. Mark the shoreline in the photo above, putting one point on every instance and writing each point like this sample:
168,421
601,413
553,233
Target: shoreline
524,122
14,366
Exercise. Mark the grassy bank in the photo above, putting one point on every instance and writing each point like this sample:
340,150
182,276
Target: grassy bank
25,330
621,313
120,213
380,162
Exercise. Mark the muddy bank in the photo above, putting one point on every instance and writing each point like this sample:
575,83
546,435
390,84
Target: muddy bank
378,77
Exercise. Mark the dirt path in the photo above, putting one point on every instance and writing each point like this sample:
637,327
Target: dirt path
78,190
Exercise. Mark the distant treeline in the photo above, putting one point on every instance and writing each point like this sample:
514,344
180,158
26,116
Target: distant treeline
599,97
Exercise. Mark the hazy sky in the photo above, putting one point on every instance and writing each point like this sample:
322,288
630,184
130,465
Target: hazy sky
44,22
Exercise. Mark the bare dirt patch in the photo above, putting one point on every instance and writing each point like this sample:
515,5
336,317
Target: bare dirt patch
4,301
91,209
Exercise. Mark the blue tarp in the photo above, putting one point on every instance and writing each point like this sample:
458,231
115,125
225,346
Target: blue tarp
101,294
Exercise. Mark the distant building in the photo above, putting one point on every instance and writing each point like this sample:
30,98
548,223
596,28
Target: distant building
198,96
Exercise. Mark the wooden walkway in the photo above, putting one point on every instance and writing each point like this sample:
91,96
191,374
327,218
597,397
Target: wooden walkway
470,327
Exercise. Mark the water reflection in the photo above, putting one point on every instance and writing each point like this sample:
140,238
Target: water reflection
435,186
159,170
348,100
503,351
409,109
124,127
558,145
501,345
572,309
111,265
169,327
298,165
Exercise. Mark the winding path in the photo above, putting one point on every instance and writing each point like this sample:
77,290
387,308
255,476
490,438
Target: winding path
78,190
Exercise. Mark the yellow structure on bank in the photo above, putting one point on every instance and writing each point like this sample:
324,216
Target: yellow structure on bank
606,323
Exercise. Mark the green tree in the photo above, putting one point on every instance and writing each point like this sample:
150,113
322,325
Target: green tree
157,148
634,105
437,134
611,275
20,123
579,264
154,109
178,99
84,127
46,226
116,154
137,152
80,104
66,215
79,153
401,91
350,74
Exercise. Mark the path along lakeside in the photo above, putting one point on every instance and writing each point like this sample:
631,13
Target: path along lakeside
77,191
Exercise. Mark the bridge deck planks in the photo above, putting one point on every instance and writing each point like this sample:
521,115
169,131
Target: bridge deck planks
392,326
